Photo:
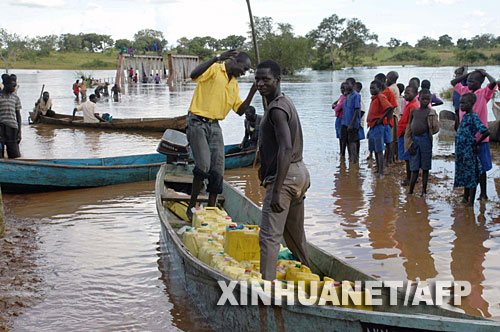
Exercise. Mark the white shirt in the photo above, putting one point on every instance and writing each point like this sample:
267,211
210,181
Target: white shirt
89,109
45,106
394,88
362,120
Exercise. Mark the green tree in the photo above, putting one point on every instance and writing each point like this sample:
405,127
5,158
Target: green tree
232,42
278,42
341,39
470,56
486,40
46,44
122,43
144,39
464,43
11,46
445,41
353,40
70,43
93,42
203,47
427,42
393,43
327,37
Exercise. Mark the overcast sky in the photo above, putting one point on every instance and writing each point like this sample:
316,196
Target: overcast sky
407,20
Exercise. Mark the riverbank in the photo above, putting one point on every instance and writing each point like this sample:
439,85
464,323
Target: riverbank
20,285
381,56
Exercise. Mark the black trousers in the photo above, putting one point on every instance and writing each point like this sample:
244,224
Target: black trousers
8,139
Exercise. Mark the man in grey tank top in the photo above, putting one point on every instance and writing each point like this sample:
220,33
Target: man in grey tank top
282,173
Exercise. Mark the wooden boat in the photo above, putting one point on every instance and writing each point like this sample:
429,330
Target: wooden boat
35,175
447,125
201,281
496,109
136,124
494,128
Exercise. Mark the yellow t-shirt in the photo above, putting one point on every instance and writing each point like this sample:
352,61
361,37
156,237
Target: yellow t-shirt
215,95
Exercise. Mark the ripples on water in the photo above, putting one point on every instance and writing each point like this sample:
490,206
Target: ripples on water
99,250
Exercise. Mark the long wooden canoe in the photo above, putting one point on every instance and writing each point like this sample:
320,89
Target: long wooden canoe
136,124
496,109
447,125
35,175
201,282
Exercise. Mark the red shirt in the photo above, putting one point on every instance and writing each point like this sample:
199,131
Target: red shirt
392,100
378,106
406,115
75,88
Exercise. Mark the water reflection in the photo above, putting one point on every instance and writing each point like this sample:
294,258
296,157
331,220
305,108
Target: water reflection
381,218
413,237
468,256
247,180
349,201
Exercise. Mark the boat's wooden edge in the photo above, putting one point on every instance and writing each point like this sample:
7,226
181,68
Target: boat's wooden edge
41,164
378,317
62,117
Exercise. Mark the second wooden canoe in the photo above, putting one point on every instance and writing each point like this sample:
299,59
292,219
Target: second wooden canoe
135,124
37,175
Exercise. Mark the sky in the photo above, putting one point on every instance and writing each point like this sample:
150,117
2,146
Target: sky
406,20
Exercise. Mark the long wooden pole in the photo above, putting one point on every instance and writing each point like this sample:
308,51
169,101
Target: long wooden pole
37,109
2,217
257,58
254,35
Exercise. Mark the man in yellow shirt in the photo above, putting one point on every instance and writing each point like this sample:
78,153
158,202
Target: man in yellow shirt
216,94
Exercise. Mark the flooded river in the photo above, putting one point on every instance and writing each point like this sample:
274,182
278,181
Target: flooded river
93,259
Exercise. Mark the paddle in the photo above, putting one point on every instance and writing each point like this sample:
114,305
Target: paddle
257,58
37,108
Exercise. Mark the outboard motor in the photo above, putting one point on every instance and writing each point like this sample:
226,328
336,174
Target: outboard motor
175,146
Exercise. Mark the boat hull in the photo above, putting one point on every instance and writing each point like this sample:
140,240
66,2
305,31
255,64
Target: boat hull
25,176
137,124
201,282
496,109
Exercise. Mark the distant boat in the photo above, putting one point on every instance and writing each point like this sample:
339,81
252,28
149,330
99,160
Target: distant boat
447,125
136,124
496,110
37,175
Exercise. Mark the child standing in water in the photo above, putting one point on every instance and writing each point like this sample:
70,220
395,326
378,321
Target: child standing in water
423,123
337,106
361,132
467,164
378,115
410,95
475,79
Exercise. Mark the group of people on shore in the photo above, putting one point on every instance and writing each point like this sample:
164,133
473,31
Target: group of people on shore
401,122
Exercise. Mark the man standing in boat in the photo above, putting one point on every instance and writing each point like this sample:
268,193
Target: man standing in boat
216,94
282,173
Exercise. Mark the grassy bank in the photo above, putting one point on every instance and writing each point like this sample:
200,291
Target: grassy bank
382,56
432,57
59,60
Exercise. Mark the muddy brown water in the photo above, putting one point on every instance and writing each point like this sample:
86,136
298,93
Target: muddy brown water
90,259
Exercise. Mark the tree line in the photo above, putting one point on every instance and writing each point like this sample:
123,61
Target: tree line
336,42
